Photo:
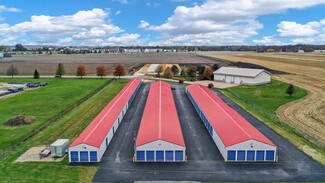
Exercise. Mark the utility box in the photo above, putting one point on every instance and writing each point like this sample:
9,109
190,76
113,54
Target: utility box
59,147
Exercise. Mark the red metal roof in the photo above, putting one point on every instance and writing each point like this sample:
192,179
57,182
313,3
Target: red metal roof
160,120
97,130
231,127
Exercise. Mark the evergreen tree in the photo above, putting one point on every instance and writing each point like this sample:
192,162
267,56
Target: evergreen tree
36,74
175,70
60,70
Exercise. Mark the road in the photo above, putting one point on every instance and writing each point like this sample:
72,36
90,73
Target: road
205,163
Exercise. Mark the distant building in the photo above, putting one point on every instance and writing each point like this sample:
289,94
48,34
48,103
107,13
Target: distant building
319,51
242,76
301,51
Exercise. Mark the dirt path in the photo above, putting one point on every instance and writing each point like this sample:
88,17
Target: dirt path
307,114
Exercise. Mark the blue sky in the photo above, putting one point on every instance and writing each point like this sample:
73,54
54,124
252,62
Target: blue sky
162,22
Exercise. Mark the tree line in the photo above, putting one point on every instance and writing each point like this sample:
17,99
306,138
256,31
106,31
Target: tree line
101,71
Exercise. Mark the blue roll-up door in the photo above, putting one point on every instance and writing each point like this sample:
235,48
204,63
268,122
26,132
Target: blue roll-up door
113,130
241,155
74,156
93,156
140,155
159,155
260,155
231,155
150,155
169,155
179,156
269,155
84,156
106,140
250,155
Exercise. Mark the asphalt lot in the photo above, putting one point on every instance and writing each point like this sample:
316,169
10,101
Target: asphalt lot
205,163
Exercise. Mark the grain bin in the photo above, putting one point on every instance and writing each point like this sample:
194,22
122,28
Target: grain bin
59,147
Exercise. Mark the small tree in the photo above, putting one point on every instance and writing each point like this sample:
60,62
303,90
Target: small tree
183,72
290,90
60,70
36,74
159,70
81,71
201,69
175,70
12,70
119,71
167,73
215,67
208,72
191,71
101,71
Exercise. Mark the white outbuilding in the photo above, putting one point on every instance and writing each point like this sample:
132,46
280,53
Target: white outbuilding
242,76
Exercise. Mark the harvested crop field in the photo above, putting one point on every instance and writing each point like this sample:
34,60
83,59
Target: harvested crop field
47,64
307,114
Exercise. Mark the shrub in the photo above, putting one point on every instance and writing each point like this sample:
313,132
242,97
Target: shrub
181,81
210,85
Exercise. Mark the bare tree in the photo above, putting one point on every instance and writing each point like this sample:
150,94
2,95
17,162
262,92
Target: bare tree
12,70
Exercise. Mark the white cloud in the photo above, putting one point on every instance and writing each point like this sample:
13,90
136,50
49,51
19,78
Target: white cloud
125,39
92,26
118,12
268,40
211,21
6,9
293,29
153,4
122,1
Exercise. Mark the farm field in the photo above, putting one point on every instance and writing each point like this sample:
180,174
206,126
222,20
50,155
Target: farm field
67,127
307,114
47,65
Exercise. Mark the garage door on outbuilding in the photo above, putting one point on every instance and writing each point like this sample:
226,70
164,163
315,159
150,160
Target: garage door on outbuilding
160,137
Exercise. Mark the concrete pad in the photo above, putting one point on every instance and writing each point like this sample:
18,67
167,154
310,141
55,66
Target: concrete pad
31,155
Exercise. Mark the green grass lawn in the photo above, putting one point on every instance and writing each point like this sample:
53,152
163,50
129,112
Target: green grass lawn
269,96
263,101
41,103
69,126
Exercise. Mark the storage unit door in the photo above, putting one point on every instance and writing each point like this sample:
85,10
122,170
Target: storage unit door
150,155
269,155
93,156
84,156
140,155
160,156
240,155
259,155
179,156
74,156
169,155
250,155
231,156
237,80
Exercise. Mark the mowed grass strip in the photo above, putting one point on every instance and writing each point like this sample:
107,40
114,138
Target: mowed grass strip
41,103
70,126
263,101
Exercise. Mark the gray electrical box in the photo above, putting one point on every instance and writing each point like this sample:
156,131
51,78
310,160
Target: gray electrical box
59,147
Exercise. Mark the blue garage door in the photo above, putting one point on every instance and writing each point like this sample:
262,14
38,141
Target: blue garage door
169,155
260,155
150,155
74,156
241,155
140,155
270,155
179,156
93,156
84,156
250,155
159,155
231,155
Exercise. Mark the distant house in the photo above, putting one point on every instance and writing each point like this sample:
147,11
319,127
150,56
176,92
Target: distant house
242,76
319,51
